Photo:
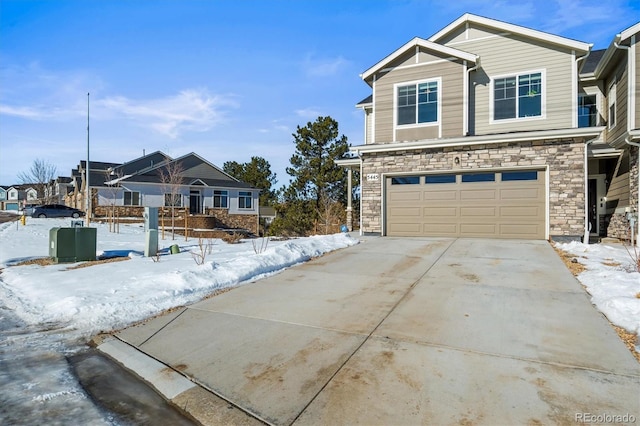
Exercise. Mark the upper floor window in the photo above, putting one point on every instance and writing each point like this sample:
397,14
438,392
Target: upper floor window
220,199
417,103
518,96
131,198
244,200
611,99
587,111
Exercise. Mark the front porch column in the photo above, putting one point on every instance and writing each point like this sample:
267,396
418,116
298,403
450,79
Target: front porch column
349,196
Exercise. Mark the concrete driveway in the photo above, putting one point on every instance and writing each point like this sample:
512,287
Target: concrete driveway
394,331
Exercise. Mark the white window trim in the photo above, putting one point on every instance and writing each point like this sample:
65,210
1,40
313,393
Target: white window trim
250,197
543,100
397,126
132,205
614,86
213,199
591,91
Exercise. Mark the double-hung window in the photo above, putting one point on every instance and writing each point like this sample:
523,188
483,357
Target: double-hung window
131,198
417,103
518,96
611,100
220,199
244,200
587,111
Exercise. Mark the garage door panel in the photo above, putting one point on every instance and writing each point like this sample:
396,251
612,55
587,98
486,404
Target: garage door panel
521,211
412,212
477,194
520,230
522,194
476,229
472,212
440,211
495,209
405,196
440,229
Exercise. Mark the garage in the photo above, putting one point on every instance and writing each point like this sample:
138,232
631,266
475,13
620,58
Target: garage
489,204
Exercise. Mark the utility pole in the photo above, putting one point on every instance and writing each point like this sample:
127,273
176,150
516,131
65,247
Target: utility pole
87,173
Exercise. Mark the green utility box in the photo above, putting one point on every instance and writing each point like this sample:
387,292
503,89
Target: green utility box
62,244
85,244
68,245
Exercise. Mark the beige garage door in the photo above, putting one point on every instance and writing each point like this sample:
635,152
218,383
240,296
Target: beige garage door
501,204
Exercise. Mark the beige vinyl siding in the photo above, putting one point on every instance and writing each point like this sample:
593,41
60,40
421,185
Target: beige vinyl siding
621,77
462,35
637,94
619,187
619,190
368,121
451,105
512,55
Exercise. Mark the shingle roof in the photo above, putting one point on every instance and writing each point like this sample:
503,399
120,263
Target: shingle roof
592,61
366,101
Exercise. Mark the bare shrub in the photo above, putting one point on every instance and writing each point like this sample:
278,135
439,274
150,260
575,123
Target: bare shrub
260,247
205,247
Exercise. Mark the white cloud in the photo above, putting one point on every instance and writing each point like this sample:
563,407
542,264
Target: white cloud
308,113
323,67
189,110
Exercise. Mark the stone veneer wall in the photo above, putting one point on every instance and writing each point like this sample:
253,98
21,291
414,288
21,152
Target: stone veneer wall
234,221
214,218
566,175
619,225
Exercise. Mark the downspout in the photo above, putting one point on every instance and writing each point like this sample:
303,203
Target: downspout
468,113
585,238
628,141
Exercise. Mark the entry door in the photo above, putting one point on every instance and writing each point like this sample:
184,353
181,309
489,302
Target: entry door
194,202
593,206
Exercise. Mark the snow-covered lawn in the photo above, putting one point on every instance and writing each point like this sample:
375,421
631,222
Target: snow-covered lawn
111,295
611,280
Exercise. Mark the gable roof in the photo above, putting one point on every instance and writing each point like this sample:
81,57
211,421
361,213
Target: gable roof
193,169
512,28
611,51
417,41
141,163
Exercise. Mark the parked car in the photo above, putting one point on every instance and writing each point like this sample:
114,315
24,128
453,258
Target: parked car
27,210
56,210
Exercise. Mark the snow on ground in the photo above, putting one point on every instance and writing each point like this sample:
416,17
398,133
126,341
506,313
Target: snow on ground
111,295
611,280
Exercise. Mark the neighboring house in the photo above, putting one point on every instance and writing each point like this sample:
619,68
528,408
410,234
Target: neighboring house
201,187
3,197
17,196
486,129
57,189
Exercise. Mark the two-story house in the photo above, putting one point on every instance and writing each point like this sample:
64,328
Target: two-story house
479,131
17,196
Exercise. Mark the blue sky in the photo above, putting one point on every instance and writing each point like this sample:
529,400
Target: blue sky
225,79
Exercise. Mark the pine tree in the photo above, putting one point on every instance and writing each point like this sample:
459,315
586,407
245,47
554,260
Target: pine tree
256,173
315,175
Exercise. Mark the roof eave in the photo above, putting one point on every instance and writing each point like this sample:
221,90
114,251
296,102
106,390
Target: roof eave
505,26
582,132
417,41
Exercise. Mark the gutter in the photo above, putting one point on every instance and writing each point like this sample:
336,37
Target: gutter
481,140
